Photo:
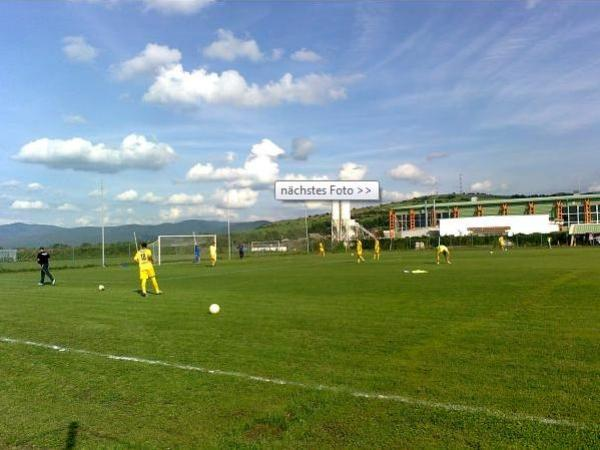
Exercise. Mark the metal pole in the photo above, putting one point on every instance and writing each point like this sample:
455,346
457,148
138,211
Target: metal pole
103,220
306,229
228,228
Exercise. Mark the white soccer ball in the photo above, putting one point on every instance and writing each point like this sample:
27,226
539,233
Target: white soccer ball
491,252
100,287
214,308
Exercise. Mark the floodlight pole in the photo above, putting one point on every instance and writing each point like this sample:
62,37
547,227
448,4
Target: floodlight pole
306,228
228,228
102,220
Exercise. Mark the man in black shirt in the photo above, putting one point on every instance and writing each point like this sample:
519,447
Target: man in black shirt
43,259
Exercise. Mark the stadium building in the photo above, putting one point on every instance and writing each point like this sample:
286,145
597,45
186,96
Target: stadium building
575,214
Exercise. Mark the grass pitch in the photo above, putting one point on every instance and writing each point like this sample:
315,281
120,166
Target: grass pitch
480,353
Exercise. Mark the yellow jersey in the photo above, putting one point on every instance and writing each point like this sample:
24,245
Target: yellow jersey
144,258
377,248
442,249
212,250
359,247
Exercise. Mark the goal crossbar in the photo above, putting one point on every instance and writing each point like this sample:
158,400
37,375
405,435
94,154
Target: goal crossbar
182,240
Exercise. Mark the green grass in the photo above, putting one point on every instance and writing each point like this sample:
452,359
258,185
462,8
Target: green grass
516,333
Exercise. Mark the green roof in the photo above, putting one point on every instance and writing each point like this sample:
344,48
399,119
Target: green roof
585,228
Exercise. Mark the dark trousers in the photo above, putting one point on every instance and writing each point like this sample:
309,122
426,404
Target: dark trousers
45,271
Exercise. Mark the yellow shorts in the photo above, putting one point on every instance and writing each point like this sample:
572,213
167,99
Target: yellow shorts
147,272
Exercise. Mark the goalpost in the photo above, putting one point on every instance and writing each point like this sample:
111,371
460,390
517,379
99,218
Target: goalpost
181,247
268,247
8,255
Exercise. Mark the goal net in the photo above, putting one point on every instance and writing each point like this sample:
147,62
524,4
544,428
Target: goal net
183,247
8,255
268,247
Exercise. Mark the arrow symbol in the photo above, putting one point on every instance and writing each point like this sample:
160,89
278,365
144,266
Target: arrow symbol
359,190
368,190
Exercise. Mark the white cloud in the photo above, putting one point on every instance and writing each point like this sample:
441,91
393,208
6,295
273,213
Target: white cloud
184,7
74,119
594,188
395,196
26,204
177,6
300,177
481,186
236,198
230,48
35,187
127,196
410,172
352,171
230,156
302,148
174,85
83,221
11,184
149,60
305,55
185,199
135,152
77,49
150,197
95,193
260,168
317,205
277,54
177,213
67,207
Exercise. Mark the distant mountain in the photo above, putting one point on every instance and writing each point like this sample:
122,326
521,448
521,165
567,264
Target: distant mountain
26,235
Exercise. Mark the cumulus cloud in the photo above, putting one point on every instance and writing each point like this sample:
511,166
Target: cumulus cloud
352,171
150,197
235,198
149,60
277,54
74,119
135,152
127,196
83,221
176,213
395,196
185,199
77,49
174,85
229,48
481,186
26,204
11,184
305,55
35,187
260,168
300,177
594,187
177,6
302,148
411,173
67,207
230,156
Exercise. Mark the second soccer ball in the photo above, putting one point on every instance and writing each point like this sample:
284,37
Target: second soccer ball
214,308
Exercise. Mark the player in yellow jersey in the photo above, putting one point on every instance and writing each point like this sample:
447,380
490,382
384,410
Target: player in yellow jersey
212,253
321,249
442,250
377,250
502,243
144,259
359,251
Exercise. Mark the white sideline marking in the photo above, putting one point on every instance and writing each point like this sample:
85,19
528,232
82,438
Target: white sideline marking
318,387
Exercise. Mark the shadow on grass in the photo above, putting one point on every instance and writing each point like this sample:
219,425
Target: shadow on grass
72,435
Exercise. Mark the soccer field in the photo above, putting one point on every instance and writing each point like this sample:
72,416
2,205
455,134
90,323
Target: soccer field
492,351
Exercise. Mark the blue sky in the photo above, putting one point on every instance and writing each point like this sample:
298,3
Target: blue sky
187,108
